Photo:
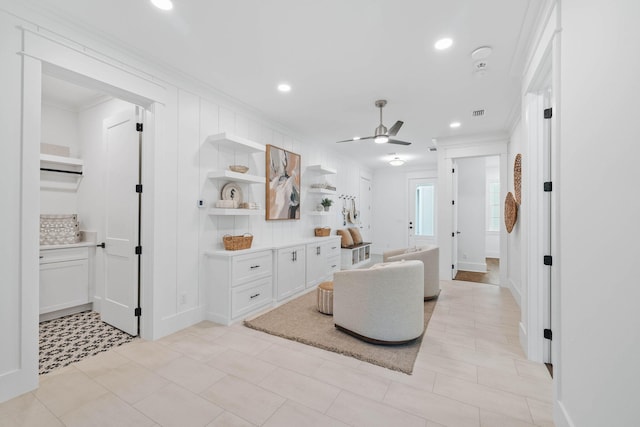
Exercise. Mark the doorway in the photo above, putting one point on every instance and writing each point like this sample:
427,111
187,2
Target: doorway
422,212
476,219
95,143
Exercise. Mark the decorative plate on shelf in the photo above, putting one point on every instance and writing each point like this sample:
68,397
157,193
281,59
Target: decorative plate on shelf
231,191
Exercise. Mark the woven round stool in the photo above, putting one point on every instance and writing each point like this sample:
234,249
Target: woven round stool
325,297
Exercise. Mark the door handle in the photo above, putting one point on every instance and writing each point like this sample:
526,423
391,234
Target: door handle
101,245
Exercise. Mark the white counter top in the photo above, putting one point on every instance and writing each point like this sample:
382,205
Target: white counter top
69,245
224,253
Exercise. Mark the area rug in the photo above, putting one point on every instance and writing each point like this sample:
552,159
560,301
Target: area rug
72,338
299,320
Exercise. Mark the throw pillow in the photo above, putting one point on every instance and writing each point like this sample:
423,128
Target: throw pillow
347,240
355,234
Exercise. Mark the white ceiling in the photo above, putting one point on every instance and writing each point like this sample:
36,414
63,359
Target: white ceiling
339,56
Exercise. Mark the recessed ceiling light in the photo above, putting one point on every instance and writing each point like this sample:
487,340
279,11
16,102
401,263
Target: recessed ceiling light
163,4
443,44
381,139
396,161
283,87
454,125
355,138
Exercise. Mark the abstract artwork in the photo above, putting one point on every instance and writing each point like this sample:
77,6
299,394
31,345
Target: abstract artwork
283,184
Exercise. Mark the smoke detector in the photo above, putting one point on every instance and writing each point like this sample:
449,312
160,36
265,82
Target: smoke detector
482,52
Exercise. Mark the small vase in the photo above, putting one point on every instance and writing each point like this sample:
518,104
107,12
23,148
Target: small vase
326,208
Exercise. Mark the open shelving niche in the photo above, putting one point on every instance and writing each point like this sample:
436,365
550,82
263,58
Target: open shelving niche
65,172
236,144
321,170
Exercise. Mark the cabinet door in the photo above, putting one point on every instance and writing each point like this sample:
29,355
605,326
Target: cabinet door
316,264
291,271
63,285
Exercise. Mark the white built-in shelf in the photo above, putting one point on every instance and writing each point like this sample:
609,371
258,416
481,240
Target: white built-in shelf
322,170
235,212
236,143
235,176
60,160
321,191
320,213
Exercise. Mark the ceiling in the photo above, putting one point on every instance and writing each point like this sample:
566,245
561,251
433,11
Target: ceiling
339,57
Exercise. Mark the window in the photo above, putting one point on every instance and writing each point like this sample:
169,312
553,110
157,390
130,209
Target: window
425,210
493,206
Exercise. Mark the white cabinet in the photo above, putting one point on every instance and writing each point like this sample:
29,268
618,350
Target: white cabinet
323,259
64,278
290,271
239,283
356,257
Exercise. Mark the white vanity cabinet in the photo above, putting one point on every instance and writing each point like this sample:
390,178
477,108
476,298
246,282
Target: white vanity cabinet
240,283
290,271
64,278
323,259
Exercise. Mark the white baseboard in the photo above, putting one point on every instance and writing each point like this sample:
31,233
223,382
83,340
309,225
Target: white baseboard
176,322
475,267
492,255
515,291
524,339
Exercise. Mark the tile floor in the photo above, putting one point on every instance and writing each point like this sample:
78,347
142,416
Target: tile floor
469,372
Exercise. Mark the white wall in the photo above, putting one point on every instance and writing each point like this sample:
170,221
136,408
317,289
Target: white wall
515,240
472,205
390,220
599,378
492,239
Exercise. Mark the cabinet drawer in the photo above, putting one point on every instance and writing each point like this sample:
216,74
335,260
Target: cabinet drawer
248,297
333,264
58,255
332,249
250,267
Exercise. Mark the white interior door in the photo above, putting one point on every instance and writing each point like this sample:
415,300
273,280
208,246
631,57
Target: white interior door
121,222
365,209
422,212
454,209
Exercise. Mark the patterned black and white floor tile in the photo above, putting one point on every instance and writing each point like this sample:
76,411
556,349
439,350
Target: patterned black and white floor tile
72,338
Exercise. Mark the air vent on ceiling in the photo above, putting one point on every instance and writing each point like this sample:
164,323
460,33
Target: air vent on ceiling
478,113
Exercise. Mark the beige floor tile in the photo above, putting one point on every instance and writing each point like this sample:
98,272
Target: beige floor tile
101,363
244,399
196,347
483,397
287,357
530,369
241,365
107,410
294,414
68,390
447,366
227,419
148,354
494,419
356,410
241,342
300,388
175,406
536,388
421,377
188,373
26,411
132,382
479,358
352,380
431,406
542,412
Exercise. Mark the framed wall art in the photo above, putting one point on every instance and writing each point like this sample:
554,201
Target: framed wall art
283,184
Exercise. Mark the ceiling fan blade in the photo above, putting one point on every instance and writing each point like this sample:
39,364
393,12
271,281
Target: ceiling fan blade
395,141
359,139
393,130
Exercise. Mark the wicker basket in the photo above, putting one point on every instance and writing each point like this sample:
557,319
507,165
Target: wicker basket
234,243
322,231
510,212
517,179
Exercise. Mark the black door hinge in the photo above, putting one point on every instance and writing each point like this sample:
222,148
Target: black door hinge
548,260
453,202
137,312
548,113
138,250
453,234
548,186
547,334
138,127
453,266
453,170
138,188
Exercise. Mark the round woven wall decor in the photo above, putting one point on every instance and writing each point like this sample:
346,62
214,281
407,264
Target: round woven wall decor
517,178
510,212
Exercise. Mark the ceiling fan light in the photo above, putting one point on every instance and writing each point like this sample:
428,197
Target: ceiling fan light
396,161
381,139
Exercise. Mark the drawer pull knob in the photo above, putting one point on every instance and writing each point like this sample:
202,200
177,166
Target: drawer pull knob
333,247
41,256
333,266
255,266
254,296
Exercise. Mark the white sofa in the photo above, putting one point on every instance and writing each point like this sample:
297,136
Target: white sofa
430,257
381,304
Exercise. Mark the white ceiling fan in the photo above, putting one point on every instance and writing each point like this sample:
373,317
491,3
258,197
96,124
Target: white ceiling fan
382,135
